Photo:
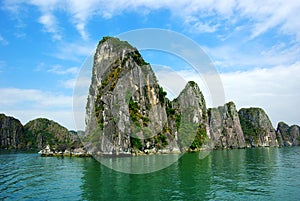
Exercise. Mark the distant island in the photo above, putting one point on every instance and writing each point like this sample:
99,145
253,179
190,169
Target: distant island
128,113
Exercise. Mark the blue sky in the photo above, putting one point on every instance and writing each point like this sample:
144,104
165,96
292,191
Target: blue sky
255,47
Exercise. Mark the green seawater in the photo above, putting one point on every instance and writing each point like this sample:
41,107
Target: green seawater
248,174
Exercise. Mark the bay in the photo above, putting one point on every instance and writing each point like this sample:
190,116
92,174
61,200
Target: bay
246,174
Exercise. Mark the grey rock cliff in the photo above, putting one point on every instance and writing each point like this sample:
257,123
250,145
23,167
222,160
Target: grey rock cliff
126,107
127,111
193,131
42,132
257,128
225,127
11,133
288,135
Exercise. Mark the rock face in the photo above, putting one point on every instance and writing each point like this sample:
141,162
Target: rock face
11,133
288,135
125,103
257,128
127,111
42,132
193,130
37,134
225,127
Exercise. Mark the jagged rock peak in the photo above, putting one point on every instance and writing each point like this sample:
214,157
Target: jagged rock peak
225,127
191,95
113,49
257,127
288,135
115,42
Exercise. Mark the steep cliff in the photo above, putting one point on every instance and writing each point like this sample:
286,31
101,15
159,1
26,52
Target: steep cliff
257,128
288,135
126,107
11,133
127,111
193,130
41,132
225,127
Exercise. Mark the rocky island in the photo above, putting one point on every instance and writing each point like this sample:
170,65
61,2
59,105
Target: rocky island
128,113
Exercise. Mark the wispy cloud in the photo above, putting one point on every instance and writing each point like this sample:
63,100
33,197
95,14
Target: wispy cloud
37,98
262,16
76,51
3,41
28,104
57,69
241,56
197,26
78,83
50,24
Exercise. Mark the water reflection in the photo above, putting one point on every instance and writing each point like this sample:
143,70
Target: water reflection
195,176
224,174
139,164
250,174
184,179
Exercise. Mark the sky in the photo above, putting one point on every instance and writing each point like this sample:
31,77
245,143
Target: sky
254,46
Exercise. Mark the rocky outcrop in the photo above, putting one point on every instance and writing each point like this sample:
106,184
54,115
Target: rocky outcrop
192,126
42,132
225,127
11,133
288,135
37,134
127,111
257,128
126,106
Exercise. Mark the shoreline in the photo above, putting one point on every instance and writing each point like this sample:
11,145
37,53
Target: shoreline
133,154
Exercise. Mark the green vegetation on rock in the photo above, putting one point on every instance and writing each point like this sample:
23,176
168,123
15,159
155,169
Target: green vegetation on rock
116,43
41,132
135,114
161,95
191,136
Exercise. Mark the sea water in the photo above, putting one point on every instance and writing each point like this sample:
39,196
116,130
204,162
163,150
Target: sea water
245,174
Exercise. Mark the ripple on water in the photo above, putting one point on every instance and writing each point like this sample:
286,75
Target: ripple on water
263,174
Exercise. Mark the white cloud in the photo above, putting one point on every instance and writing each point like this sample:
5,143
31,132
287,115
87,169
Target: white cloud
262,16
50,24
81,83
57,69
15,97
64,118
277,90
198,26
269,14
27,104
242,56
74,51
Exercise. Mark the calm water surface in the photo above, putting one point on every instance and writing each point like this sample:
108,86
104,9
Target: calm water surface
250,174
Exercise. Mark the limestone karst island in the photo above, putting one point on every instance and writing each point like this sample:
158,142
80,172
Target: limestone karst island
128,113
